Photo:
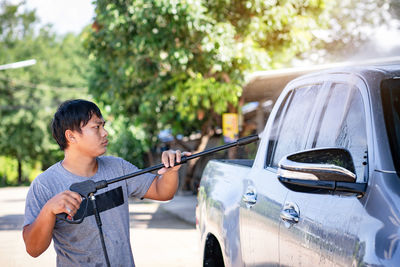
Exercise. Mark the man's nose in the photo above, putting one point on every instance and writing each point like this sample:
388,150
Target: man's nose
105,133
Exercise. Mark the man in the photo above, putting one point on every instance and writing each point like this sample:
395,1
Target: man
78,128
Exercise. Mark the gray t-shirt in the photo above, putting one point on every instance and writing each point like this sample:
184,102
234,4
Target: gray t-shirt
80,244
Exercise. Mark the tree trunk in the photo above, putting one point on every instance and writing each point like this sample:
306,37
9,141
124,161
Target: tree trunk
232,153
189,182
182,144
150,158
19,171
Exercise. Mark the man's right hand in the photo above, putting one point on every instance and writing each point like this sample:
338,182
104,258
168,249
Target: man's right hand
37,236
65,202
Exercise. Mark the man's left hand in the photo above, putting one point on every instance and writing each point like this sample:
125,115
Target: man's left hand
169,157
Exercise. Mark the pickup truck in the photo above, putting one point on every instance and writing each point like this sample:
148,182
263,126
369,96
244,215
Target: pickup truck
324,187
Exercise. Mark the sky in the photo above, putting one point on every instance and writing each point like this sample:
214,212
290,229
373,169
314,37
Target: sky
65,15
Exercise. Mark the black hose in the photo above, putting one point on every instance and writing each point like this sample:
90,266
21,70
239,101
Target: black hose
99,224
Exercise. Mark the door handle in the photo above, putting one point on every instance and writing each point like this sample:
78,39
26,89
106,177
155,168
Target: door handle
290,214
250,197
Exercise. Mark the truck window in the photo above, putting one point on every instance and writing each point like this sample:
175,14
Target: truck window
276,127
391,110
289,132
342,124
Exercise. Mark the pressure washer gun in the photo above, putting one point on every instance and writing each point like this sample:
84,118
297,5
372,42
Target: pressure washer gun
88,188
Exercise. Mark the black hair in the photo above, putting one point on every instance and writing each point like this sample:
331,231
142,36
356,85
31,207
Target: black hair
72,115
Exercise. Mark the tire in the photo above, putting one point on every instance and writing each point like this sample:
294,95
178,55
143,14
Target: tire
212,253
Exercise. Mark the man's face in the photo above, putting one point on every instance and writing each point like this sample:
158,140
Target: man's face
93,139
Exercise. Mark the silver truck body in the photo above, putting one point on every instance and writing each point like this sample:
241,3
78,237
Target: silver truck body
255,216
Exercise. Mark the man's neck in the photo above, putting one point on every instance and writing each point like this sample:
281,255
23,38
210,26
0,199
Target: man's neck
79,165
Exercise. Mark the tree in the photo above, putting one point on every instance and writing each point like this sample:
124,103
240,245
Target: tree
349,30
180,64
29,96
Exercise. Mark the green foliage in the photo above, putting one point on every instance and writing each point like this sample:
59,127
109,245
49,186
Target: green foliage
161,64
198,94
124,140
9,174
20,136
29,96
8,171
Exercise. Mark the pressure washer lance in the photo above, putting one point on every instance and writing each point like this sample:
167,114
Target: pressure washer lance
88,188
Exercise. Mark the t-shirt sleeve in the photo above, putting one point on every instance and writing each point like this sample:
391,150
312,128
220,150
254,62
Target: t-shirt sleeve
36,198
138,185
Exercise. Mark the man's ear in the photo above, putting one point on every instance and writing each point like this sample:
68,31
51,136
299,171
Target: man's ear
70,136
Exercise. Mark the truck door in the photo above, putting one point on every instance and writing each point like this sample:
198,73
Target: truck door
260,221
325,232
264,195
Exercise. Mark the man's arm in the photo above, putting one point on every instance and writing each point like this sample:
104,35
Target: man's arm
164,187
37,236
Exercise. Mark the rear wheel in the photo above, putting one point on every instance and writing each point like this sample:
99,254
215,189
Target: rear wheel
212,253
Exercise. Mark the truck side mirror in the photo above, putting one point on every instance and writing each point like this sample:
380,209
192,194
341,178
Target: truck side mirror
320,170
